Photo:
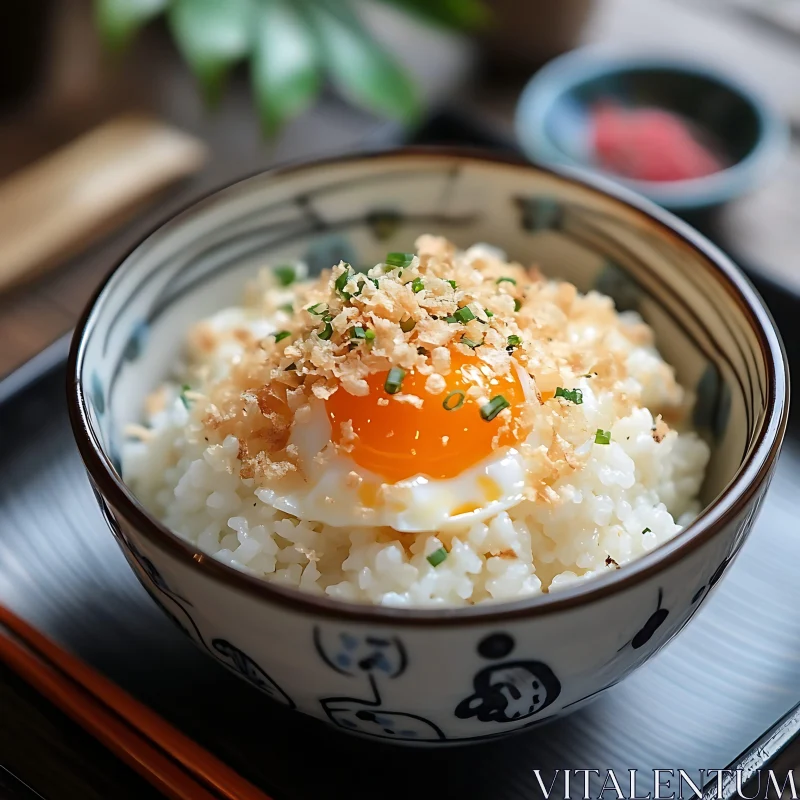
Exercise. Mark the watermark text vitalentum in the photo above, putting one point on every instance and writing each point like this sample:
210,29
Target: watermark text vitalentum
664,784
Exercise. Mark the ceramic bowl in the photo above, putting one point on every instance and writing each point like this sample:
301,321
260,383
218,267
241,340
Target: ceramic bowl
436,676
552,120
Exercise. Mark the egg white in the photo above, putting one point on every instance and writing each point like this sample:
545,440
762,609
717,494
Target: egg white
327,491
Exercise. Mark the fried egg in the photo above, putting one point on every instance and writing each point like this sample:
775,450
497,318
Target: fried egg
412,462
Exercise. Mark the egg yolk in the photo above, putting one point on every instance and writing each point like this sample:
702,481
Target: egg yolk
397,440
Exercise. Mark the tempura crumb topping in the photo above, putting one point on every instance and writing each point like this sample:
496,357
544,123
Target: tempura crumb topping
415,313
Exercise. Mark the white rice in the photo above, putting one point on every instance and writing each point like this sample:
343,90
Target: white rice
630,497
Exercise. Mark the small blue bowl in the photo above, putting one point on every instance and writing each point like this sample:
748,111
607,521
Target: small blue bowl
552,120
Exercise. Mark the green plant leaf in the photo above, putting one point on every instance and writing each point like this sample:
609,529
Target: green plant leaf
467,14
284,67
212,35
357,64
119,20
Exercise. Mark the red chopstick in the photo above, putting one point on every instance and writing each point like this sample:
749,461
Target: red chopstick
176,765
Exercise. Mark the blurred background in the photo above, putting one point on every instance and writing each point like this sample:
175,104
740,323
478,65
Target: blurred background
114,114
689,101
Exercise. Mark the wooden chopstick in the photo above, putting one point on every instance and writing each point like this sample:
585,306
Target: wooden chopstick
164,774
176,765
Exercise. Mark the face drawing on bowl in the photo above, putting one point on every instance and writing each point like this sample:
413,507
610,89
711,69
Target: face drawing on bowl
371,660
367,717
509,690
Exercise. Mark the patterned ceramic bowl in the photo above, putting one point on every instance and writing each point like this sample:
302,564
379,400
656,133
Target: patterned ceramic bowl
436,676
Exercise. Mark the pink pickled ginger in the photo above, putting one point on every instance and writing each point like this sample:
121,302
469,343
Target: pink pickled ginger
649,144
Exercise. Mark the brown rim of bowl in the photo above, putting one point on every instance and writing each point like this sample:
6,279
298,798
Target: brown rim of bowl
742,488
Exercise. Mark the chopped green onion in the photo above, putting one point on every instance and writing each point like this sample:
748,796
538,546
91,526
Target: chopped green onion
514,340
407,325
517,305
602,437
369,334
463,314
357,332
450,319
460,397
394,380
488,313
453,284
507,280
286,275
288,308
437,556
399,260
185,400
494,407
470,342
291,368
573,395
318,309
326,332
342,280
646,530
280,335
417,285
376,283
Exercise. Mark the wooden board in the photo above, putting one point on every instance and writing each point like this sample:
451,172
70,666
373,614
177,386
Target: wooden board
64,203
